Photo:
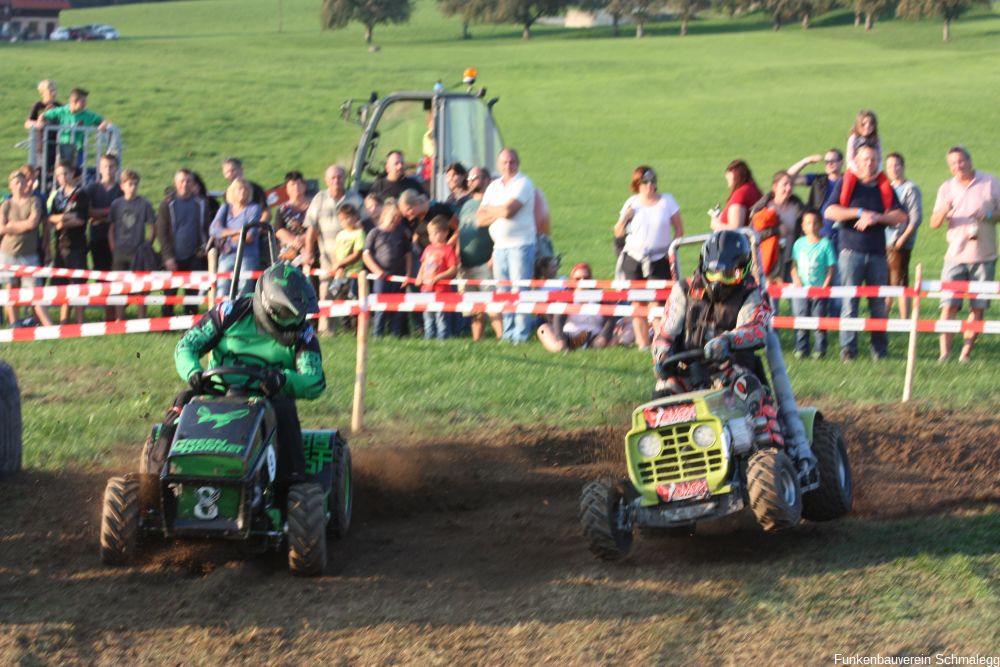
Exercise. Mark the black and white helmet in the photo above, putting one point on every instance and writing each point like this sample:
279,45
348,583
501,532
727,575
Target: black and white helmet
725,262
282,299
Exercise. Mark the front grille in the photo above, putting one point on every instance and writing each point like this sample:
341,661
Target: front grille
680,459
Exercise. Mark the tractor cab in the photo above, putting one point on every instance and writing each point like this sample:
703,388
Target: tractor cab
432,128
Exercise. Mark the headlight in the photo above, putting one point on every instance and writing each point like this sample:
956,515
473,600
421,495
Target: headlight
650,445
704,436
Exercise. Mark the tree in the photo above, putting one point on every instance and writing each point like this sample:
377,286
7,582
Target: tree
948,10
687,9
810,8
369,13
640,10
616,8
469,10
873,9
730,7
524,12
781,11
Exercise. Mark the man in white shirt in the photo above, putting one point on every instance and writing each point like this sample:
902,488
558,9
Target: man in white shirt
322,225
508,209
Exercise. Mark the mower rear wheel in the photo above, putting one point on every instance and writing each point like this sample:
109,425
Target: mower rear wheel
120,520
775,494
835,495
341,492
306,529
10,422
604,520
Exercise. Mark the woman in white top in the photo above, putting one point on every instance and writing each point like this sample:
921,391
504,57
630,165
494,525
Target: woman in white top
649,221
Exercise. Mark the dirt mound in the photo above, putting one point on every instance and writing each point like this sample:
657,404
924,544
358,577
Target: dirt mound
463,532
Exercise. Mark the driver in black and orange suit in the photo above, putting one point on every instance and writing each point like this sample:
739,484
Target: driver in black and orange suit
722,310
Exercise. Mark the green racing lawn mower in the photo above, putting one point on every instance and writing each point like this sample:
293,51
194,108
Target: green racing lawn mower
212,473
693,457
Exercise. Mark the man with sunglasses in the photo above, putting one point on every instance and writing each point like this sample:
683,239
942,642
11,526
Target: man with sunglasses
722,310
820,185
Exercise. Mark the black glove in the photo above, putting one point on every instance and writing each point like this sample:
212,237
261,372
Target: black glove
196,382
717,349
272,382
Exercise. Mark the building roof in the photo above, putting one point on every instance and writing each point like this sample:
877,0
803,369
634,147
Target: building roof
39,4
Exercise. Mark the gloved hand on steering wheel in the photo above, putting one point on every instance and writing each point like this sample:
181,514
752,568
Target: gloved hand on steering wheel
198,383
273,381
662,371
718,348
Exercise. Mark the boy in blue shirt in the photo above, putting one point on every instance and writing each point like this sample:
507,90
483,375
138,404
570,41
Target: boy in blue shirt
813,261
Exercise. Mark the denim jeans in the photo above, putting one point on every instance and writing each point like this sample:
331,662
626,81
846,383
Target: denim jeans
436,325
395,323
857,268
809,308
226,264
514,264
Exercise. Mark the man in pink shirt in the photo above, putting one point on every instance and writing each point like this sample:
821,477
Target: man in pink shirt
969,202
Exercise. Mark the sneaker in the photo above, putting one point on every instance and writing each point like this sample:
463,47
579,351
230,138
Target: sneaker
879,357
799,354
847,356
819,355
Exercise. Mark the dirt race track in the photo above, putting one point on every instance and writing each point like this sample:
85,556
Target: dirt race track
462,552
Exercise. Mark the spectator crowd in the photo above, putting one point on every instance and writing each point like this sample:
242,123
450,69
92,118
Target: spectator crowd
856,225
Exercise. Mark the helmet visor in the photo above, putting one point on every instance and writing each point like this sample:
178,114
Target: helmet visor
731,276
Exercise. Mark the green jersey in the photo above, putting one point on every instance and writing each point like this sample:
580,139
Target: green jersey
229,331
63,116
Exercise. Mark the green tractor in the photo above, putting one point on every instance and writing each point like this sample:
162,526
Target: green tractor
218,478
693,457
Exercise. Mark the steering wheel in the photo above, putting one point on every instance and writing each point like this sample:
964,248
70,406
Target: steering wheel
690,355
214,380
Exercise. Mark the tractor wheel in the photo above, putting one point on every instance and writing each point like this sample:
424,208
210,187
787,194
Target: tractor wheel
602,515
120,520
835,495
306,529
10,422
775,494
341,492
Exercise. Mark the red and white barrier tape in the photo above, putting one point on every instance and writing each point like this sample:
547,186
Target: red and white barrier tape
154,324
896,326
345,308
56,296
929,288
27,296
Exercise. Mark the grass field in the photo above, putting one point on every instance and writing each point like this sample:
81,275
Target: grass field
469,551
193,82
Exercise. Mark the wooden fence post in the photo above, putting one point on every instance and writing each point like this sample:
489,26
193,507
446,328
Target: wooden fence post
911,352
213,268
361,367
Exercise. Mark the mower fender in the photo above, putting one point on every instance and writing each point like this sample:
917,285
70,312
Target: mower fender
808,417
317,449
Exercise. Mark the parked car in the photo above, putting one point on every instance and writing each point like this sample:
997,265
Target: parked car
84,33
104,31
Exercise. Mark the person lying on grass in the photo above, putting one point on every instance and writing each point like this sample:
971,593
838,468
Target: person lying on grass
572,332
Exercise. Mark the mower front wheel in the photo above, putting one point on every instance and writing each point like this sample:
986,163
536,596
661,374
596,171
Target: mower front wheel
306,530
120,520
605,521
835,495
775,494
